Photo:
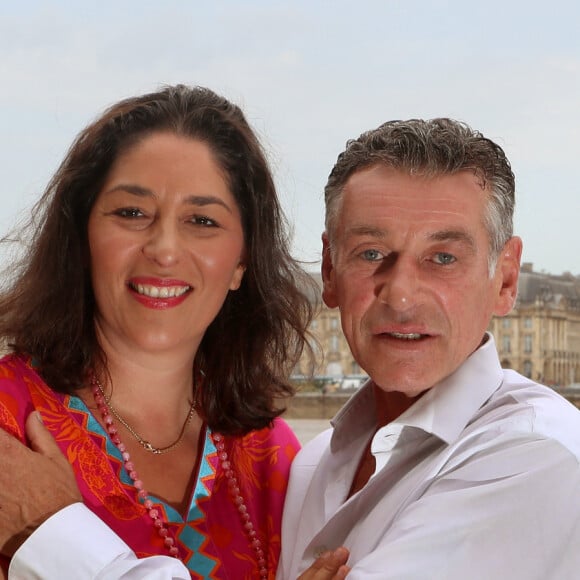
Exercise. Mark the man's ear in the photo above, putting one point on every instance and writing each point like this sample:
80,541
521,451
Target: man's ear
507,273
328,275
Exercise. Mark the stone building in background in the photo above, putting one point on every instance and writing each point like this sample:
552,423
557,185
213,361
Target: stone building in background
333,360
540,338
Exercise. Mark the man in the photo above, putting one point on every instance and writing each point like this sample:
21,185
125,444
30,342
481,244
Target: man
442,465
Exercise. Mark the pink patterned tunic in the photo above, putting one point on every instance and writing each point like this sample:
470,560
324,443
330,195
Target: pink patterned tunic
210,538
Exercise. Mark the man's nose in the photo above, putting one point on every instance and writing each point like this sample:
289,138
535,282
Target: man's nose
397,284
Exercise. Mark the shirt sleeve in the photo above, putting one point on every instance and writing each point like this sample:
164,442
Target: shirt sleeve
75,543
506,513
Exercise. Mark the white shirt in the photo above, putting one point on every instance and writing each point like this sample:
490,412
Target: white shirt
75,544
479,479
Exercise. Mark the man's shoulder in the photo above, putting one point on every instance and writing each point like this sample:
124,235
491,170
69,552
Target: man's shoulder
311,454
522,406
524,393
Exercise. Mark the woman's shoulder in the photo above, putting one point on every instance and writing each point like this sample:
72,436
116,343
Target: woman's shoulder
21,389
18,368
15,397
278,433
14,369
281,430
276,444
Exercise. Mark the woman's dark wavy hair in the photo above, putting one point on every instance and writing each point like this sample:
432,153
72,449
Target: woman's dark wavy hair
47,305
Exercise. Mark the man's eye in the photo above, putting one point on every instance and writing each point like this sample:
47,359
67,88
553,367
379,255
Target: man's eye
372,255
129,212
444,259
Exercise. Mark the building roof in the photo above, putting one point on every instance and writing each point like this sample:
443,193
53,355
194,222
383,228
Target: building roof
550,290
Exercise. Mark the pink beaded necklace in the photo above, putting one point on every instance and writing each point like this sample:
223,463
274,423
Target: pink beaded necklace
154,514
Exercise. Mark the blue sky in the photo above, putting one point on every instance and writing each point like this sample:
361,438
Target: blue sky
310,75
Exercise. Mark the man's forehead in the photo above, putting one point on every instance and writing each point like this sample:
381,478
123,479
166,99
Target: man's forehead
425,174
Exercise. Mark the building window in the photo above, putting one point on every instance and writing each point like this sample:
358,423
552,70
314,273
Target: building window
527,322
528,369
354,368
506,345
334,343
314,324
506,322
333,323
528,343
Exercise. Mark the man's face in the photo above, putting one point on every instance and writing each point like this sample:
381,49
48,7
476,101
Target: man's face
409,272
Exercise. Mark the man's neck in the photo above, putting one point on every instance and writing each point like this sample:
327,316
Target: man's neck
391,404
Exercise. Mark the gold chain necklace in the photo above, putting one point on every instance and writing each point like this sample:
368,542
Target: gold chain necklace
143,442
162,527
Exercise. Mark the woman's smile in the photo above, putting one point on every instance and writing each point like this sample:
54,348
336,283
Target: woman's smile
159,290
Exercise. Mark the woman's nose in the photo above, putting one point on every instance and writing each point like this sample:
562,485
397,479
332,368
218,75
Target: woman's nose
163,244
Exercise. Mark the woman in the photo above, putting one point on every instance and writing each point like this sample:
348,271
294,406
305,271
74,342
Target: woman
153,323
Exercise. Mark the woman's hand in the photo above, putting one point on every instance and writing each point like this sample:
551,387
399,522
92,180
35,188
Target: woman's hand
34,484
329,566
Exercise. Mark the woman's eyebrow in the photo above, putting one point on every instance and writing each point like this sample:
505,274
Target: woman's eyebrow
133,189
203,200
199,200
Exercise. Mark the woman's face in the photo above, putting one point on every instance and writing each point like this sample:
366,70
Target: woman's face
166,246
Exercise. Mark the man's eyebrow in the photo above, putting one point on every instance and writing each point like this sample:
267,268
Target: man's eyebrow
439,236
363,230
452,236
140,191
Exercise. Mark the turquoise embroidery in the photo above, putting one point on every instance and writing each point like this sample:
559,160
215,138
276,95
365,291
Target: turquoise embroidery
189,537
93,426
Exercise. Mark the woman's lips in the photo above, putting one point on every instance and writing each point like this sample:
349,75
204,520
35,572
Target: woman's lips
159,293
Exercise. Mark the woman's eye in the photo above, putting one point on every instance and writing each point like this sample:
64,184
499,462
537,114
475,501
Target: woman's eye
202,220
372,255
444,259
129,212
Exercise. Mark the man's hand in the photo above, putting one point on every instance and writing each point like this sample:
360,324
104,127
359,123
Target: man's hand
34,484
329,566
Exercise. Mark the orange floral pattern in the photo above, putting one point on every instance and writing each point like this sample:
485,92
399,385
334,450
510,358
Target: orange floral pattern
211,540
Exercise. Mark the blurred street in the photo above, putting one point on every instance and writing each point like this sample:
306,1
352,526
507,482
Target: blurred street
306,429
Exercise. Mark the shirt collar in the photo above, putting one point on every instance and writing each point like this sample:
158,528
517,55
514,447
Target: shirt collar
444,410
